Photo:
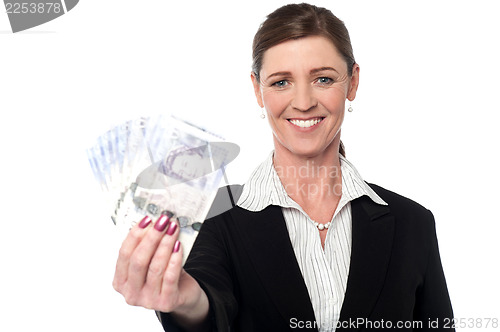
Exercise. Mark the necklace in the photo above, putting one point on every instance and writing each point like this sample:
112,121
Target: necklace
322,226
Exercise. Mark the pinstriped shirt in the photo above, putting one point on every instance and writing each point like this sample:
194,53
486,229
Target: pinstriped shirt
324,271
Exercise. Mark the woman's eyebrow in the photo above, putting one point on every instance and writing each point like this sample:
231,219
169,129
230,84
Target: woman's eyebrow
316,70
280,73
311,72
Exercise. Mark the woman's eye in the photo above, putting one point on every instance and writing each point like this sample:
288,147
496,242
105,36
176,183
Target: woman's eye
325,80
280,84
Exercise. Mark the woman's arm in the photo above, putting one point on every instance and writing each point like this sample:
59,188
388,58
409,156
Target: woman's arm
433,305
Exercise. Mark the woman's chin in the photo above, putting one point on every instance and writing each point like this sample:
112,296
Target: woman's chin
304,148
305,152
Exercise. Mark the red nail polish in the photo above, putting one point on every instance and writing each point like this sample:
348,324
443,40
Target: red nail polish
145,222
162,223
171,229
177,246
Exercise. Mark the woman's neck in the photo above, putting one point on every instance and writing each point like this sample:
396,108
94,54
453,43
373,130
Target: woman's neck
310,179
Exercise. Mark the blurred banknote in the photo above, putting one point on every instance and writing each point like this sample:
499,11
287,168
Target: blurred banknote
160,165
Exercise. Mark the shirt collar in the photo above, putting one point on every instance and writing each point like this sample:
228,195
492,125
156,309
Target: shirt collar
264,187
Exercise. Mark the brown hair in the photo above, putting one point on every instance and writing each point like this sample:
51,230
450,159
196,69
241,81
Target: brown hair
297,21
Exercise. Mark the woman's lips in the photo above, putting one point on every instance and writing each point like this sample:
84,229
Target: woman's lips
305,123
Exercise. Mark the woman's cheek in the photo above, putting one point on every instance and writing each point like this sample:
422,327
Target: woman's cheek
275,103
334,100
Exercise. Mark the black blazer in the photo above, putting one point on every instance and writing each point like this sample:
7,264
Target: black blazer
245,263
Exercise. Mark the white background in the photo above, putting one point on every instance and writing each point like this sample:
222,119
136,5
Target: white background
425,124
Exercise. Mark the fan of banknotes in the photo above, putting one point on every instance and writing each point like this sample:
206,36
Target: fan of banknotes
160,165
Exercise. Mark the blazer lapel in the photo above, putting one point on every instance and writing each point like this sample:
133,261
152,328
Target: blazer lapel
269,247
372,237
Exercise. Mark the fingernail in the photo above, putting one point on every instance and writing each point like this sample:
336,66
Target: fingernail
145,222
162,223
177,246
171,229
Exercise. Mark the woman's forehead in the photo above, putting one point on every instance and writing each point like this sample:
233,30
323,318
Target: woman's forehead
303,54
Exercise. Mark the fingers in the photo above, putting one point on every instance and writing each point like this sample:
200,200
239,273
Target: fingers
144,252
170,292
133,238
149,262
174,268
161,259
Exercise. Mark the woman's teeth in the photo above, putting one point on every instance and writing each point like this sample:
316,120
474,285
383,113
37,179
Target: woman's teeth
305,123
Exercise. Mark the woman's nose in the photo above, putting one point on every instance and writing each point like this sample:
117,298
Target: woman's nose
303,99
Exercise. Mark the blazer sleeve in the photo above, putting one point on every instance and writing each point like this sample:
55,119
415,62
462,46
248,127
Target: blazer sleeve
433,305
208,264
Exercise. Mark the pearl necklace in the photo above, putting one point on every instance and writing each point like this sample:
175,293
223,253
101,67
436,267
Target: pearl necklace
322,226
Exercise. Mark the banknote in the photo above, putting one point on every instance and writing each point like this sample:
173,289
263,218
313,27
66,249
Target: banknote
160,165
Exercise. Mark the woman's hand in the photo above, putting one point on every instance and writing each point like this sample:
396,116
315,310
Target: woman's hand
149,273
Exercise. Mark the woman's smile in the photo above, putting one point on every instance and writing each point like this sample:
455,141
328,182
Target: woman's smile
306,123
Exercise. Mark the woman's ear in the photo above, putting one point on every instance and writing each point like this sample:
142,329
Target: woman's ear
354,83
256,89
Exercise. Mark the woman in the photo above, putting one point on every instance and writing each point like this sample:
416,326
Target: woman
309,245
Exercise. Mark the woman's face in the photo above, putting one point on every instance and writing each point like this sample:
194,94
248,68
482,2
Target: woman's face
303,86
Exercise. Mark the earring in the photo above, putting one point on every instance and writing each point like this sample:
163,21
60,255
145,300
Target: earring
262,115
350,109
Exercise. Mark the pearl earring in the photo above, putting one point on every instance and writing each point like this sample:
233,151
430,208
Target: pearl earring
350,109
262,115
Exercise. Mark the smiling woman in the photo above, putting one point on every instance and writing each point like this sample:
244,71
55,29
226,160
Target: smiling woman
304,93
308,243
